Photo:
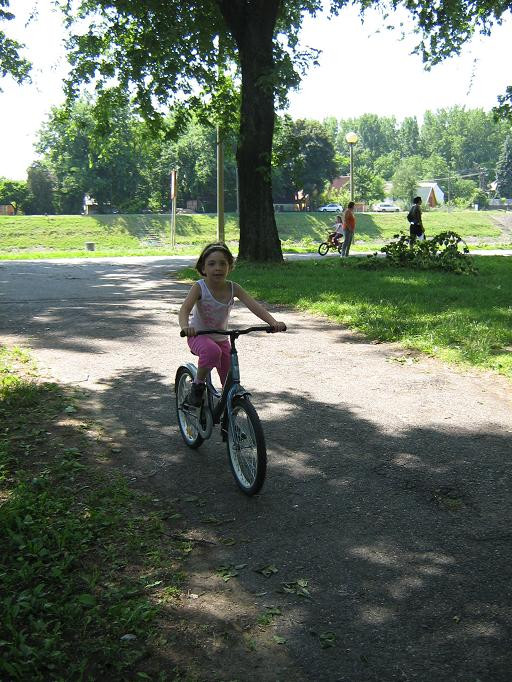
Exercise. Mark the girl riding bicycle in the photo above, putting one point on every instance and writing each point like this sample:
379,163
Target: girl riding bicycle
338,231
207,306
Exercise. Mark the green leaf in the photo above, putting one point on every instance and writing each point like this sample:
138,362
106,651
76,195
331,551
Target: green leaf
267,571
279,640
327,639
87,600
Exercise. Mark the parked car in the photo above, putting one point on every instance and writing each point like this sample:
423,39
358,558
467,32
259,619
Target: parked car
335,208
386,207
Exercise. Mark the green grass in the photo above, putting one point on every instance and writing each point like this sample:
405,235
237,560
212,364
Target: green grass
307,229
85,559
65,236
457,318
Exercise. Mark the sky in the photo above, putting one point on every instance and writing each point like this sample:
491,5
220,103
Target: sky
361,70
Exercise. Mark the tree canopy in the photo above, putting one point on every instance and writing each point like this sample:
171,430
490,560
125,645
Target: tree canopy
504,170
192,54
12,63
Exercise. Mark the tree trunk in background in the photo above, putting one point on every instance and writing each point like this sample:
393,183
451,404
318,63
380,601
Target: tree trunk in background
252,25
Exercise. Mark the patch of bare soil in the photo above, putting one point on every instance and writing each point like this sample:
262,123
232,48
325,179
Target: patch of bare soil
504,222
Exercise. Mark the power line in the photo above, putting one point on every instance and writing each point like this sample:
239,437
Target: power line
455,175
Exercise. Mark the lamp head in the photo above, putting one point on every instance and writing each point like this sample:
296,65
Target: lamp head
351,137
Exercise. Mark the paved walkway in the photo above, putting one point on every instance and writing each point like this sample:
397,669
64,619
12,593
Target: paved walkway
388,487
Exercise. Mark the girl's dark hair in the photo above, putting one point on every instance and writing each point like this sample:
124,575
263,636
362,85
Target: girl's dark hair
351,204
210,248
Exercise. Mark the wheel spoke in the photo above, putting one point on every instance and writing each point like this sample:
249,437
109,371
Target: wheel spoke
246,447
187,418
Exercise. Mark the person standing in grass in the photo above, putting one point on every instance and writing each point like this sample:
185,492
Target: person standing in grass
349,227
416,230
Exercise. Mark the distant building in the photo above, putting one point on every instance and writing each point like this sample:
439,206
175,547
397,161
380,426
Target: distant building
341,182
431,194
299,202
7,209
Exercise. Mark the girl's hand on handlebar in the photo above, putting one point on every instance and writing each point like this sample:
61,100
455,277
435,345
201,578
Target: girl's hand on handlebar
188,331
278,327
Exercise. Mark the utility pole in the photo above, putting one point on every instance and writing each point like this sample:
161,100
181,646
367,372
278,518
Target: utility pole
220,162
220,186
173,193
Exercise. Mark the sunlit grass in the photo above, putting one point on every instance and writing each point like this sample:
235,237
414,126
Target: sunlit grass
65,236
458,318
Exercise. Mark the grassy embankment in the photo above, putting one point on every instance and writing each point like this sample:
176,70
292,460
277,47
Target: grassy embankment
87,566
65,236
458,318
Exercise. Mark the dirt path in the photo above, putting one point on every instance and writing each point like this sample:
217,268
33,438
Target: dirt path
504,222
388,489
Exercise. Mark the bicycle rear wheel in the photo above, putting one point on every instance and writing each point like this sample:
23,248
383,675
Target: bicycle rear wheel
246,446
187,420
323,249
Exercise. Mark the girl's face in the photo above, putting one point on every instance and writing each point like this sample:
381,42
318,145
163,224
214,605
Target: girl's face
216,266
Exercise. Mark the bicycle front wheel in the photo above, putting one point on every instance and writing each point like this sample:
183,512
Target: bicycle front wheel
246,446
323,249
187,420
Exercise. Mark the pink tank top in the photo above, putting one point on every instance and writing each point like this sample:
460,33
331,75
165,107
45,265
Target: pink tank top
208,313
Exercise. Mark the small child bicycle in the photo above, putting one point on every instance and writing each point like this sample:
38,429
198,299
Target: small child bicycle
331,242
232,409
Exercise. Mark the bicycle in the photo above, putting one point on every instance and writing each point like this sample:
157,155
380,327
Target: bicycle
329,244
231,408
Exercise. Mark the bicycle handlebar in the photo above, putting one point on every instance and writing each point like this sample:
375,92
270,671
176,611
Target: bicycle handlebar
237,332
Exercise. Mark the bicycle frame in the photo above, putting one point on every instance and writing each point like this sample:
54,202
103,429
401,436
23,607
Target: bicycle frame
232,408
223,409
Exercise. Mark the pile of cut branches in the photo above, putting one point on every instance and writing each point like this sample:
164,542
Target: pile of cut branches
446,251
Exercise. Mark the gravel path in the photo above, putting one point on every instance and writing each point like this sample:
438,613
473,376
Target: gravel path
388,490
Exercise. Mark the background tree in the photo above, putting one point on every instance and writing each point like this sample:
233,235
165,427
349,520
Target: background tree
304,158
193,154
465,139
13,192
377,134
409,143
406,178
504,170
386,165
369,187
100,157
41,189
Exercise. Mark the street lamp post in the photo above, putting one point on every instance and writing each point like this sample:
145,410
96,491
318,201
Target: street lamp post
351,139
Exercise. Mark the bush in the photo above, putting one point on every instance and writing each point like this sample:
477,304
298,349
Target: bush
446,251
479,197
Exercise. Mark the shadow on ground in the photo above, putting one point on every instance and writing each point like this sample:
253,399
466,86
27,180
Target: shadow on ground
403,539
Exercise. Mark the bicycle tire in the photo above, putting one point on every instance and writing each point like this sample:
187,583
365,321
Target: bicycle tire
323,249
247,452
189,431
340,247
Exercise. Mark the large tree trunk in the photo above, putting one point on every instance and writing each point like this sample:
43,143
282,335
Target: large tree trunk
252,24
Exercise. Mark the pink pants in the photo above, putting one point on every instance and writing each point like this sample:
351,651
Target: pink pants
212,354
